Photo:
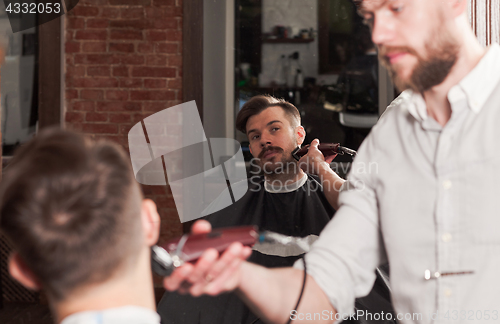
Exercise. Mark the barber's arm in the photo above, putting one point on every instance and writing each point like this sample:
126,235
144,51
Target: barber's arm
271,293
340,266
314,163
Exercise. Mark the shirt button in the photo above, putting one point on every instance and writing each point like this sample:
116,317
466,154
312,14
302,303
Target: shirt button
446,237
447,292
447,184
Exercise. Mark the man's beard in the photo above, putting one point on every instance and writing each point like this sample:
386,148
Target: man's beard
286,165
430,72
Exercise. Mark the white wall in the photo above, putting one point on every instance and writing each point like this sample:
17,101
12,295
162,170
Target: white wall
298,14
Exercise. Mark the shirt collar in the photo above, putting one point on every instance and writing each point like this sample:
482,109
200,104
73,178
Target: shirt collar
479,84
476,87
287,186
122,315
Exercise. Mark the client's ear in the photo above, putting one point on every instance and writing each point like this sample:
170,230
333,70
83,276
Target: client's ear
150,222
20,271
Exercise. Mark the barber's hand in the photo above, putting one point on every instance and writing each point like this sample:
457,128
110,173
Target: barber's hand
212,274
314,160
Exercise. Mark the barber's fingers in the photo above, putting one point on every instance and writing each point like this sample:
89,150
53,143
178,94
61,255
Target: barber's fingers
228,279
203,265
235,253
182,278
201,226
176,278
330,158
315,143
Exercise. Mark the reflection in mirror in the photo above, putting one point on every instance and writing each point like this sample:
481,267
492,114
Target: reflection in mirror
19,84
318,55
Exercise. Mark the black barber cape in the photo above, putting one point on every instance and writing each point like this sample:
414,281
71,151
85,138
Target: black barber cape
301,212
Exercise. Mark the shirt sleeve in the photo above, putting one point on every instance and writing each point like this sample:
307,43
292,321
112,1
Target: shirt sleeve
344,258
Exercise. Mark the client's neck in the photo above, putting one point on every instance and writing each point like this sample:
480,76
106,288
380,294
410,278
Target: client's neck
290,175
134,288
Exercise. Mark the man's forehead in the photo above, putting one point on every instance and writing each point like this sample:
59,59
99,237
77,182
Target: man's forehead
267,115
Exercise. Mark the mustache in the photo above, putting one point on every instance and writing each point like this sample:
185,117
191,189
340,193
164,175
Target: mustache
384,51
267,149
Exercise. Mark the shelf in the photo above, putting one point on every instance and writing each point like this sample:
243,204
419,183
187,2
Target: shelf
288,40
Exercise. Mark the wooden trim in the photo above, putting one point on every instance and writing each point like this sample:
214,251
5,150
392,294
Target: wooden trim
192,59
49,74
192,53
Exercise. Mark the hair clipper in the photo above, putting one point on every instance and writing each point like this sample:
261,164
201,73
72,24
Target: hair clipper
328,149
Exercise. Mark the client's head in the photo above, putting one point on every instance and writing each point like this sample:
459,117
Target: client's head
273,130
75,215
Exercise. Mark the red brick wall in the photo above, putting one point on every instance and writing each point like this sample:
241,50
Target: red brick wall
124,63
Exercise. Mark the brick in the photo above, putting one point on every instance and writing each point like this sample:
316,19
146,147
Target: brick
171,11
132,23
125,128
75,23
119,106
91,34
164,202
130,2
73,117
138,117
169,48
71,94
94,47
85,11
155,83
153,72
94,2
175,61
102,70
72,47
96,117
121,47
119,118
145,48
75,71
120,71
154,106
131,13
175,84
152,12
164,2
156,36
164,24
156,60
126,34
152,95
132,59
131,83
174,35
69,35
96,59
84,105
100,128
73,82
100,83
116,95
97,23
110,12
92,94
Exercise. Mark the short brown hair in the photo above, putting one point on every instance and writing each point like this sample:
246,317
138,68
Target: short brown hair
71,208
257,104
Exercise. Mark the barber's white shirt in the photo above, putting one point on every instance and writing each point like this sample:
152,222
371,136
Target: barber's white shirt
426,198
120,315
